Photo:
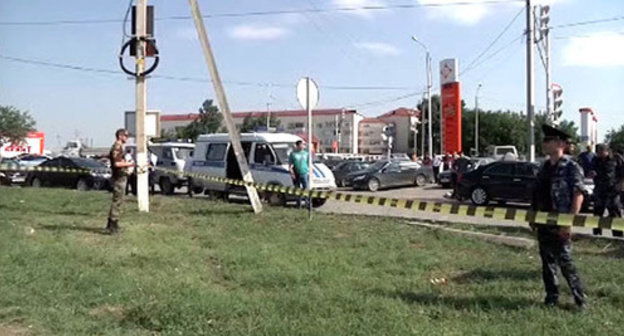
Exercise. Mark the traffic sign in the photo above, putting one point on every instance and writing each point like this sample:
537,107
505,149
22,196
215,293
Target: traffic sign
307,89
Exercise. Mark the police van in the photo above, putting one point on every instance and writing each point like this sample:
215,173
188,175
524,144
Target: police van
267,155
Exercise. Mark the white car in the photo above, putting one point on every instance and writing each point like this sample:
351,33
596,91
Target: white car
267,155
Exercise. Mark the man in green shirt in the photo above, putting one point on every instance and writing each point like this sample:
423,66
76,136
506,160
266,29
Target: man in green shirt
298,166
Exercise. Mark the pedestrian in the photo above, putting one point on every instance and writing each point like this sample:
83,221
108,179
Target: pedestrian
608,170
586,160
559,189
437,162
298,166
119,167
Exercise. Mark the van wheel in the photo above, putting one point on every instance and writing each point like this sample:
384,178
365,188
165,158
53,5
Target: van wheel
166,187
274,198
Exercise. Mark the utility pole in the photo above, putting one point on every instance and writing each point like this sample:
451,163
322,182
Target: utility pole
530,41
225,107
269,107
141,106
429,119
477,120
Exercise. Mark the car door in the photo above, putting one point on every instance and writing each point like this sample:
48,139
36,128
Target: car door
66,179
525,180
51,176
497,179
391,175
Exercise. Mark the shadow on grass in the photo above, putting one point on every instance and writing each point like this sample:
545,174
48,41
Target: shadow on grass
482,302
62,227
482,275
204,212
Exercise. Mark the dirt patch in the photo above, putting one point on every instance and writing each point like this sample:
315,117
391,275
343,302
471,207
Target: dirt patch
14,330
107,310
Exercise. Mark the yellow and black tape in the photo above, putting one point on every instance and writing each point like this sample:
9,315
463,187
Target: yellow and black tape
518,215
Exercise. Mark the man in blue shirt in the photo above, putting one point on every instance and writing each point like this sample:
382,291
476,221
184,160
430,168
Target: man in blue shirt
298,166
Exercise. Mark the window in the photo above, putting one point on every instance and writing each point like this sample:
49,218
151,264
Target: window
526,169
216,152
298,125
319,125
167,155
500,169
263,155
291,126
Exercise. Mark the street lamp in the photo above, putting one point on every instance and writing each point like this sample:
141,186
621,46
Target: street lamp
429,120
477,120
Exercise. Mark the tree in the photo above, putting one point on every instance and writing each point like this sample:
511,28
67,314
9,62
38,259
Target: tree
209,121
14,124
250,123
615,138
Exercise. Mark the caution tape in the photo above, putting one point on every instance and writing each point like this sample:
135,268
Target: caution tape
518,215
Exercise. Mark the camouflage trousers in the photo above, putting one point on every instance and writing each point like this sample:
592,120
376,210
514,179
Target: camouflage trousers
119,188
556,253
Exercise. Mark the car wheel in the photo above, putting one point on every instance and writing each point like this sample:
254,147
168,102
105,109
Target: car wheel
479,196
82,185
373,184
166,187
421,180
318,202
36,183
274,198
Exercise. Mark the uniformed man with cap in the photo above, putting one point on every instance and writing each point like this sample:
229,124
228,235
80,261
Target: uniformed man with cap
559,189
608,170
119,167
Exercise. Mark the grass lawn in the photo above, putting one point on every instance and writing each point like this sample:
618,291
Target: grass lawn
198,267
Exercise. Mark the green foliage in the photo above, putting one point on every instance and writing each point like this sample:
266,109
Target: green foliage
198,267
14,124
496,128
209,121
615,138
250,123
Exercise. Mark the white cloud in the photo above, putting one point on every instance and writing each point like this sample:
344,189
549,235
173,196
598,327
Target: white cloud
378,48
255,32
595,50
357,4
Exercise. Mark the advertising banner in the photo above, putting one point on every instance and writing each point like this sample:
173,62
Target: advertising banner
451,118
33,144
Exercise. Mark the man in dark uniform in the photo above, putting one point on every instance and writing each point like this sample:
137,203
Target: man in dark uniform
608,171
119,177
559,189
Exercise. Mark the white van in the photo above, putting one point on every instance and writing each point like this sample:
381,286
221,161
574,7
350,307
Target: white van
267,155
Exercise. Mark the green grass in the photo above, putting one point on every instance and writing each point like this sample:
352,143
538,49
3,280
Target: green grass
197,267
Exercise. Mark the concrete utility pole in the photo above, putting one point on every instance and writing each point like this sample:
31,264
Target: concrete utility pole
429,119
530,41
224,107
141,107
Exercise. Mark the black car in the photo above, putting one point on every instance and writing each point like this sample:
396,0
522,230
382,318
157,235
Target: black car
11,177
384,174
504,181
345,168
94,175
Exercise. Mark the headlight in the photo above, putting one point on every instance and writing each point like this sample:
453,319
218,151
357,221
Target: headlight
359,178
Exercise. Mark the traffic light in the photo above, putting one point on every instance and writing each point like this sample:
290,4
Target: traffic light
387,132
543,20
557,92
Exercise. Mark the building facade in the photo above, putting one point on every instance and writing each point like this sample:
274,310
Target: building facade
403,120
370,136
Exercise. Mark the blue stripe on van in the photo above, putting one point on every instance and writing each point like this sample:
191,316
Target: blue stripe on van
219,164
320,171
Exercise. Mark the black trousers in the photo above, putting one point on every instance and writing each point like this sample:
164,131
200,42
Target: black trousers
555,253
611,202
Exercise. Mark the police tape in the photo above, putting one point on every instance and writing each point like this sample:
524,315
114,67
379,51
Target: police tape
518,215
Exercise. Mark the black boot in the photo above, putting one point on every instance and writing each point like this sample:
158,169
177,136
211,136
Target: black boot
112,226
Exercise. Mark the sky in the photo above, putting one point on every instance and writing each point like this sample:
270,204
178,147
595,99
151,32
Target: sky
363,59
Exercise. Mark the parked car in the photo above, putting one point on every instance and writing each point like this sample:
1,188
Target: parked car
445,178
385,174
504,181
345,168
95,176
9,177
31,160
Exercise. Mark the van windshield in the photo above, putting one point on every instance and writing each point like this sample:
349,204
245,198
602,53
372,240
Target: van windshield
282,150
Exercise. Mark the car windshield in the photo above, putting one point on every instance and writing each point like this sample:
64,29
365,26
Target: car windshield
377,166
182,153
87,163
283,150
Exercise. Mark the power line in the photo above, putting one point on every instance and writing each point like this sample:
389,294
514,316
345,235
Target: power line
590,22
496,52
197,79
586,36
386,100
493,42
268,13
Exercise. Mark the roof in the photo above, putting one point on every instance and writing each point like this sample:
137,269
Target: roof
401,112
372,121
238,115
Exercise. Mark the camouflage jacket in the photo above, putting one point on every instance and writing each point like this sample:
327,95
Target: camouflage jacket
116,154
565,178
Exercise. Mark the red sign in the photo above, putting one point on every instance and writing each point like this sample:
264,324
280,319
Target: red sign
451,118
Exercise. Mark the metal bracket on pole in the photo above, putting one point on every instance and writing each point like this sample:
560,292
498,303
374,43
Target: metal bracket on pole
224,107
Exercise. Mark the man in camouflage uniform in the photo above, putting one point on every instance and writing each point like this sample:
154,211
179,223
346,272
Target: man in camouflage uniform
559,189
608,170
119,179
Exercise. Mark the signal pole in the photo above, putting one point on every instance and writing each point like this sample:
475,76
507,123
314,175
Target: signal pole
141,104
530,27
